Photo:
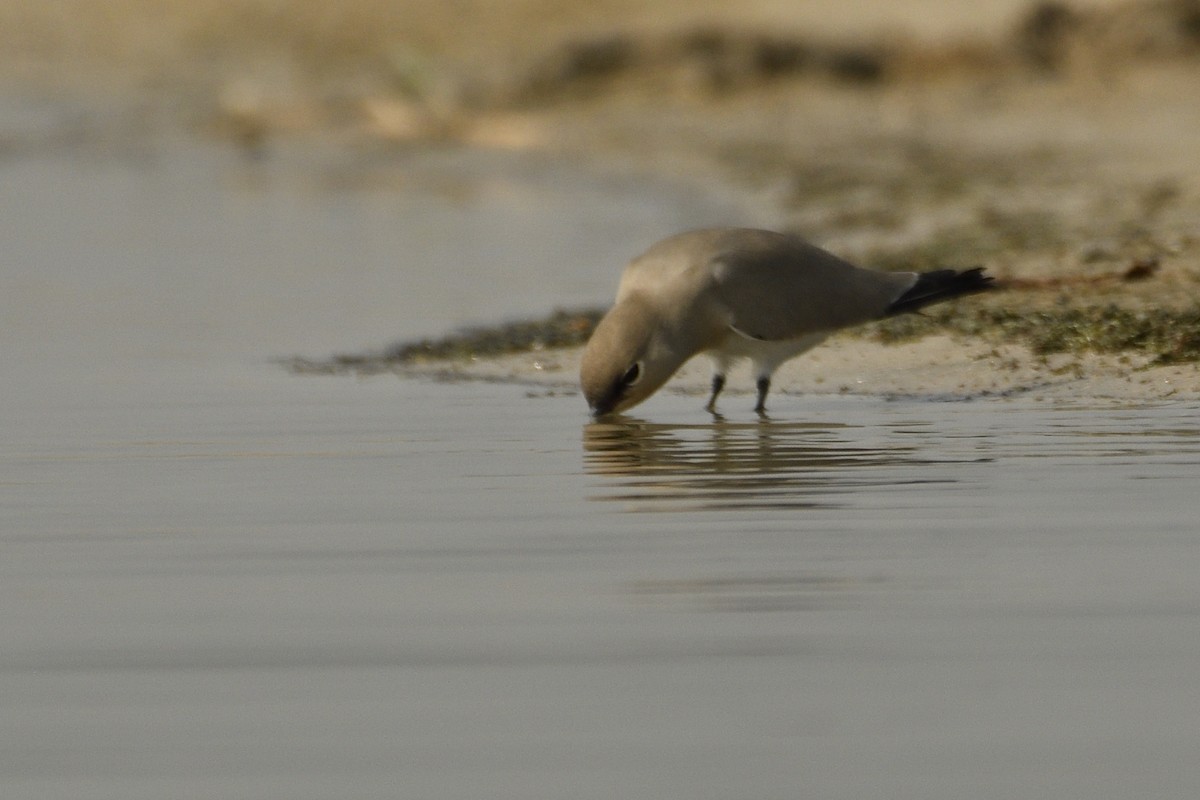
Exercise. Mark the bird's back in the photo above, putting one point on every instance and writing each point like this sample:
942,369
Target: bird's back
674,265
770,285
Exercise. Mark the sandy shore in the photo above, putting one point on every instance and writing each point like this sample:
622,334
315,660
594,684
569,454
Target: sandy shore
1053,144
934,367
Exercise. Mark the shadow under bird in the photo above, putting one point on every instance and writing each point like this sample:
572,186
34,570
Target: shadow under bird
735,293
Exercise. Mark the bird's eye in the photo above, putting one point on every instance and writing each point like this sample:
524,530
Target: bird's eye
632,375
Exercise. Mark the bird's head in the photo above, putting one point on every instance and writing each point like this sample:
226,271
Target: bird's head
628,358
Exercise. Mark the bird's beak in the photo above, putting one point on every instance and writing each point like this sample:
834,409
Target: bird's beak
601,410
605,404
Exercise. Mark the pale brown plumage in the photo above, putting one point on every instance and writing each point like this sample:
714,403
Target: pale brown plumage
739,293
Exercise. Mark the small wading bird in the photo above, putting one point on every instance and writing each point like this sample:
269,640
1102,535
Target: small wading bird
740,293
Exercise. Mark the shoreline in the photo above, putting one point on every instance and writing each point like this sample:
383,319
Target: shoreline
934,367
1055,153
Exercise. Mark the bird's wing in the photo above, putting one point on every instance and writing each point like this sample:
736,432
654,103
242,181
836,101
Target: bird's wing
774,286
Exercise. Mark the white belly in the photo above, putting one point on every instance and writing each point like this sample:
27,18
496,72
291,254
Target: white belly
765,356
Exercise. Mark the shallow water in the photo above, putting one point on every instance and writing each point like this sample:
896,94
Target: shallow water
221,580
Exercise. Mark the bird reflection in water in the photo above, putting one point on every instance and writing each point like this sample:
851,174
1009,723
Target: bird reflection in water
735,465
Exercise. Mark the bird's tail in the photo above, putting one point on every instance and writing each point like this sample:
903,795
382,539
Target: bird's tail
943,284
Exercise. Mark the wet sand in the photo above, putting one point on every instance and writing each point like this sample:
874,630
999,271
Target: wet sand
935,367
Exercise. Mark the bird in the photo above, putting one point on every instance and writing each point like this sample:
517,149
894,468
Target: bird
736,293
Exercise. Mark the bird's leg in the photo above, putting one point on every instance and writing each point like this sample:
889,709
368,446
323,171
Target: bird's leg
764,386
718,383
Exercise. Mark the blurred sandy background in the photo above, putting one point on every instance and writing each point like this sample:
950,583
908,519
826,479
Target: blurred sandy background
1053,142
167,38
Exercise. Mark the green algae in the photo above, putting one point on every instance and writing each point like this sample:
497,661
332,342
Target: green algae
1167,336
560,329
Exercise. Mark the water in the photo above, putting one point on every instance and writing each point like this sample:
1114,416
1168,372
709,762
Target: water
224,581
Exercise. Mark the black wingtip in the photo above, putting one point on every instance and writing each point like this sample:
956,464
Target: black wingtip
943,284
